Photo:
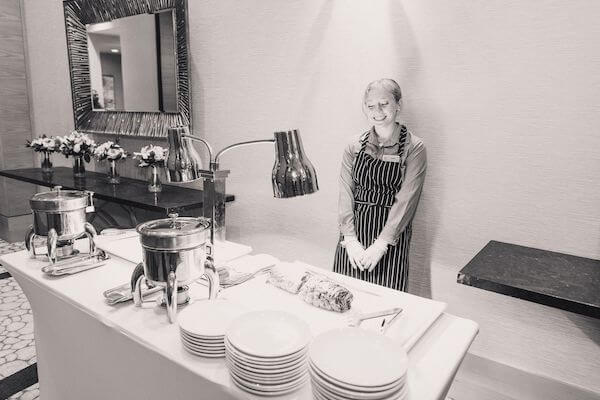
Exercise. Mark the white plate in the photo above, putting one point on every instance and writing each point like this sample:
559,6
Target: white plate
209,318
269,374
267,369
265,379
268,390
288,370
354,388
203,349
269,334
317,395
208,339
398,395
203,354
280,362
335,391
203,343
266,394
359,357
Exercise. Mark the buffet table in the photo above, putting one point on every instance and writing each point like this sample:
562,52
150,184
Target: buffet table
89,349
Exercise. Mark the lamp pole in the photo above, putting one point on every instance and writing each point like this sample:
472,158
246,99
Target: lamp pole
293,174
214,179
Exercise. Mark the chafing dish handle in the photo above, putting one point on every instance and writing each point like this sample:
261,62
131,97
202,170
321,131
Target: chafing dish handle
136,284
171,297
210,271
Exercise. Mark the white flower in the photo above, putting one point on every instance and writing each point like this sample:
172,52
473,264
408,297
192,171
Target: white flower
77,148
114,154
150,155
48,143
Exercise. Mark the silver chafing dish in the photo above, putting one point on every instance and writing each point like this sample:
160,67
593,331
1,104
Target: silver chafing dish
174,256
60,216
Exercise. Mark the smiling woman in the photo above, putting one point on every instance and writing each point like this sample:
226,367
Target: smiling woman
380,184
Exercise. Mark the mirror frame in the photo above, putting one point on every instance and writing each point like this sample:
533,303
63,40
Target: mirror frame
78,13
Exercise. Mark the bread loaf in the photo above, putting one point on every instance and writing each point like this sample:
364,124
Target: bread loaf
322,292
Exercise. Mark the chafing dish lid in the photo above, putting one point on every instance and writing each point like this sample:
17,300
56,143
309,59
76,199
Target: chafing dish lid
174,233
59,200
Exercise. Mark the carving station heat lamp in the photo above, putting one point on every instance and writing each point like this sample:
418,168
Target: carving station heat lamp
293,174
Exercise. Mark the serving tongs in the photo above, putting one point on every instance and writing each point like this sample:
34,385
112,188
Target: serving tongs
77,264
123,293
356,319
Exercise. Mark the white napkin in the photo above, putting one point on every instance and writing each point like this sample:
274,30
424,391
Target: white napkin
251,263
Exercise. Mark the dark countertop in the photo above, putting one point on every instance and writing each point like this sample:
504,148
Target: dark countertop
554,279
130,192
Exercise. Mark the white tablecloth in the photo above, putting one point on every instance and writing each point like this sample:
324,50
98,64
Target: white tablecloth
87,349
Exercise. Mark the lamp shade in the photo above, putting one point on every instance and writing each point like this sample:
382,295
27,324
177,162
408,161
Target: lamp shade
293,174
183,162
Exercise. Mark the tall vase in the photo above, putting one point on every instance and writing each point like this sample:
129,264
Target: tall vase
46,163
154,184
78,167
113,176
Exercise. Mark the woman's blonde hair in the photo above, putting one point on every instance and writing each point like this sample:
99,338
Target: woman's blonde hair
387,84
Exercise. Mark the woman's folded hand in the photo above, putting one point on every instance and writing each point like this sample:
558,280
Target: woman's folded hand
355,252
373,254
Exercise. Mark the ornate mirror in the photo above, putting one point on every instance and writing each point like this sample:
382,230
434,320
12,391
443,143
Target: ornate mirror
129,65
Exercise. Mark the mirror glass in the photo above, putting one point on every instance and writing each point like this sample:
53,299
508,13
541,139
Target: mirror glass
133,64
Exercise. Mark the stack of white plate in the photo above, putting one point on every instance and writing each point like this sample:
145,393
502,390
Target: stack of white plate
266,352
353,363
203,325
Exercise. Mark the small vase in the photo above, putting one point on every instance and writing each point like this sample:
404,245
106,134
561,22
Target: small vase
113,176
78,167
46,163
154,185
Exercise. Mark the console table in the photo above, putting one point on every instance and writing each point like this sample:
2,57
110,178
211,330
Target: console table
554,279
130,195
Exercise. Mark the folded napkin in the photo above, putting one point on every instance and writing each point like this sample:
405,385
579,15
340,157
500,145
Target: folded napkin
249,263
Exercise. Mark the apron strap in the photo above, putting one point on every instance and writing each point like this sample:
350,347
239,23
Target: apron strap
402,147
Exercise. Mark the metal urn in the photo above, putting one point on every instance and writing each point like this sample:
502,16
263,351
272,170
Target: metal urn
174,255
60,216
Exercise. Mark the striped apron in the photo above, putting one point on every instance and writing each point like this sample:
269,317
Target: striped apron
376,183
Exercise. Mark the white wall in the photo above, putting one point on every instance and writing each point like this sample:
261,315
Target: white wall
504,93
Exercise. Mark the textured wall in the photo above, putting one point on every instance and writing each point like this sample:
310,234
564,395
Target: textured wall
15,126
504,93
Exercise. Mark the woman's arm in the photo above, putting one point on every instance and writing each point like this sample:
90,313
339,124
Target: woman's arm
407,199
354,249
346,199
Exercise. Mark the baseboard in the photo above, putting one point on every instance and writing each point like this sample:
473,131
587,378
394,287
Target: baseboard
13,229
480,378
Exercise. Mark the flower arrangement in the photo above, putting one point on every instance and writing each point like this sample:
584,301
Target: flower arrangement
110,151
44,144
154,157
151,156
77,144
